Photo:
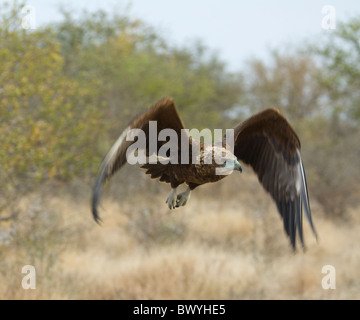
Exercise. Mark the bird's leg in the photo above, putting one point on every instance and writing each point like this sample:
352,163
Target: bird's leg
183,198
172,199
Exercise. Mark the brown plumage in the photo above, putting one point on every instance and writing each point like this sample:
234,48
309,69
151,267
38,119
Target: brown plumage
265,141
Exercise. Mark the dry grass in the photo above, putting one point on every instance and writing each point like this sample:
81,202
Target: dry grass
217,247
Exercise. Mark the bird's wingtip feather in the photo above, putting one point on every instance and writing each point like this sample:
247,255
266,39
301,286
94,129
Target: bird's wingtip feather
96,196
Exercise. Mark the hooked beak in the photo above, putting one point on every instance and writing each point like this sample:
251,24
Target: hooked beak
237,166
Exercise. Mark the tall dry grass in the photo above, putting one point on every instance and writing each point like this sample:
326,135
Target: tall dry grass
227,243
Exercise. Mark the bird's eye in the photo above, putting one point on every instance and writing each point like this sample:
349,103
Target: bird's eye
224,164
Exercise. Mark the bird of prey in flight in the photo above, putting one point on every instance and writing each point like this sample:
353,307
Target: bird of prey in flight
265,141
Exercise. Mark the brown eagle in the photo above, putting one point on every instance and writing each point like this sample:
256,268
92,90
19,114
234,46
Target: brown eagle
265,141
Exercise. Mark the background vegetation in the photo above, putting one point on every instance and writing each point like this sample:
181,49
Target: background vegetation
66,92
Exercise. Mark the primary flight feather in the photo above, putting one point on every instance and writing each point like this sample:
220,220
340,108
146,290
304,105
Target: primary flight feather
265,141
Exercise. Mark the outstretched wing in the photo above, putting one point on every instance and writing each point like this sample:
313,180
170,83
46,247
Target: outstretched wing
271,147
166,116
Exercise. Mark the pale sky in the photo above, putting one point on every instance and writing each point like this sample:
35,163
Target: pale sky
236,30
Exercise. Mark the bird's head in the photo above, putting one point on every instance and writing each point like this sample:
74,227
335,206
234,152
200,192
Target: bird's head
232,164
226,161
218,161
